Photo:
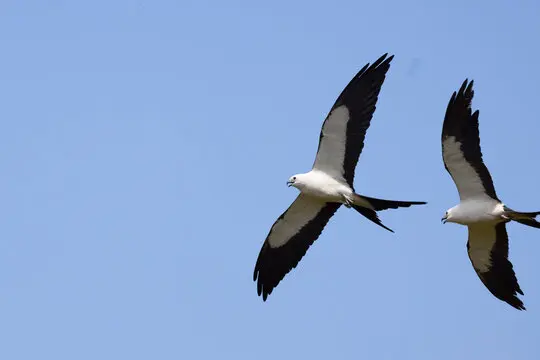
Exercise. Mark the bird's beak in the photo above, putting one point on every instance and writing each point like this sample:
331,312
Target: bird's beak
443,220
289,183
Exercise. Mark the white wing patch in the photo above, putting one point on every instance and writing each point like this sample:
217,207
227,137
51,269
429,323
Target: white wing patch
482,238
331,152
464,175
302,211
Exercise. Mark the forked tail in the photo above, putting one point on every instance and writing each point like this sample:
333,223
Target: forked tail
380,204
371,215
368,207
525,218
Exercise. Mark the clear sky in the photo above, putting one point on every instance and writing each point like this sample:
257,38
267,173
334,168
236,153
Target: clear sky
144,150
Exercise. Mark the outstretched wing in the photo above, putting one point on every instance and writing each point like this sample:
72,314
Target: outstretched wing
289,239
461,151
488,252
342,135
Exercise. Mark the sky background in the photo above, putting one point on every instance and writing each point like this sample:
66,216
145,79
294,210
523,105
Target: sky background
144,150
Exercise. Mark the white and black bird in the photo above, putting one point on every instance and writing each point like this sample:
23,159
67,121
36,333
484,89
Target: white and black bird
479,209
329,184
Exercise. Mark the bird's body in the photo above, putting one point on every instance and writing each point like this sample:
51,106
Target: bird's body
319,184
480,209
477,210
329,184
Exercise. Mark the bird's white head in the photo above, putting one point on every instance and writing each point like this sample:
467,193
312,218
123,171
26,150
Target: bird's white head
447,216
296,181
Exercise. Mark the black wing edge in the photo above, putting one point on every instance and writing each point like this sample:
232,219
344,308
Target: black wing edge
501,279
354,81
274,263
361,96
458,111
380,67
462,123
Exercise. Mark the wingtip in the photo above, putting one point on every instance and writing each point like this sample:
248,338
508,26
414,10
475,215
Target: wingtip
465,94
467,87
463,86
518,304
385,55
265,294
382,60
388,59
470,86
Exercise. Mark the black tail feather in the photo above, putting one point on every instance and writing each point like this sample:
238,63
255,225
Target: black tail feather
371,215
525,218
529,222
380,204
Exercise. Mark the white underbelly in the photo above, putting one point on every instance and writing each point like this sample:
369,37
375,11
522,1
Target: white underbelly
478,212
329,194
327,188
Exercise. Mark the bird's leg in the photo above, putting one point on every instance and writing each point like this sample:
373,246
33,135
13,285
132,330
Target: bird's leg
347,202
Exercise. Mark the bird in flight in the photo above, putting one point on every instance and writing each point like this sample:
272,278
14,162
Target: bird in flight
479,209
329,184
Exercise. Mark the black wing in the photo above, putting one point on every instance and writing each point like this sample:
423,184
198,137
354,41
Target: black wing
461,150
342,135
488,251
289,239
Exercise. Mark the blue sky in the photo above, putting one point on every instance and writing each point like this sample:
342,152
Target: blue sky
145,146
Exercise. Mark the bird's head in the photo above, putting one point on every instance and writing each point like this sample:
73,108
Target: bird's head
447,216
295,180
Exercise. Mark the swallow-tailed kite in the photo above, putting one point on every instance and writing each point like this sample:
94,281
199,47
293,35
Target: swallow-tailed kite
479,209
329,183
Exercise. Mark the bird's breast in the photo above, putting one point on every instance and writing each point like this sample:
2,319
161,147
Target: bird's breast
477,212
326,187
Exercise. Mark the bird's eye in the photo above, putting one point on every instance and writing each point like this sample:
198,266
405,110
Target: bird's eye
294,178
